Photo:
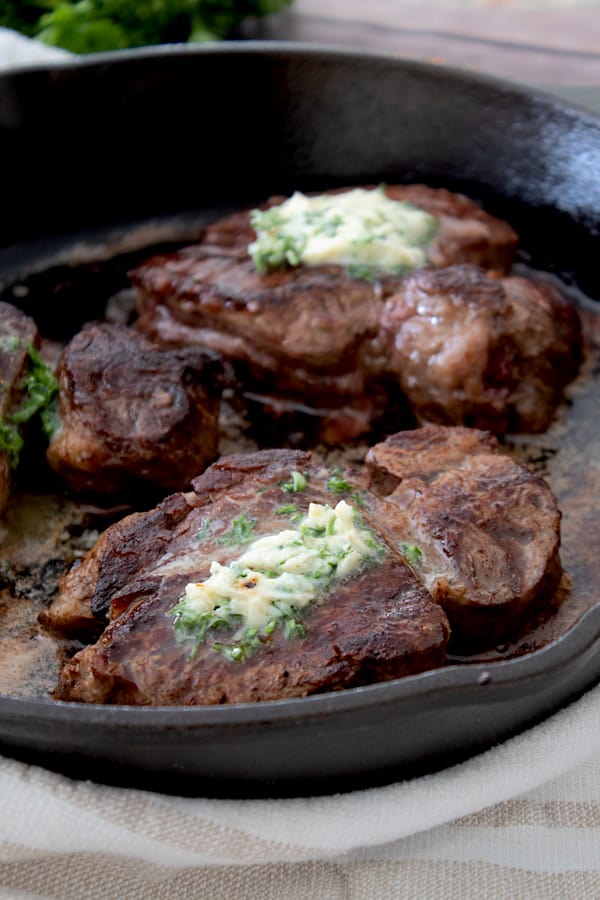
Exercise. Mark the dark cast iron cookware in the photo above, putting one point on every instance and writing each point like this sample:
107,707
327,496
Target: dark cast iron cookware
100,145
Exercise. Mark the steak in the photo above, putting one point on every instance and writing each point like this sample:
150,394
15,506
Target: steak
17,333
469,349
133,414
305,330
309,330
374,624
306,324
482,531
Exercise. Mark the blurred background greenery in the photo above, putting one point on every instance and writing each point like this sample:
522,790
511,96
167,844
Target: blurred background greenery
90,26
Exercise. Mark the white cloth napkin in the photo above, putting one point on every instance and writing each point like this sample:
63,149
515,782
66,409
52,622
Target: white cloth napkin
522,819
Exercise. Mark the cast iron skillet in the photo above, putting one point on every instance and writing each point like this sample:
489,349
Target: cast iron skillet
98,146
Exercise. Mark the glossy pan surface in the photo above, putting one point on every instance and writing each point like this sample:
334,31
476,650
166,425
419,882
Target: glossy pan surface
102,146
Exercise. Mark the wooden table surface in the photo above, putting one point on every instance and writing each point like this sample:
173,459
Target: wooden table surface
554,45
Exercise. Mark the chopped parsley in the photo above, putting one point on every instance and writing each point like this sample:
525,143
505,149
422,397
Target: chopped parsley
297,483
338,484
412,553
240,532
40,398
287,510
193,626
240,650
11,443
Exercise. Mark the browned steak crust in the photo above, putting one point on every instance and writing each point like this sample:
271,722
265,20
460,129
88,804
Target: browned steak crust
473,350
305,325
17,331
133,413
374,625
487,528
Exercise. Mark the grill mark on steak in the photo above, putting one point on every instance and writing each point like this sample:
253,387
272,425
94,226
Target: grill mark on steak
132,413
473,350
488,528
377,624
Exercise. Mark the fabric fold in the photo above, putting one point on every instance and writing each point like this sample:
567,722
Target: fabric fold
44,812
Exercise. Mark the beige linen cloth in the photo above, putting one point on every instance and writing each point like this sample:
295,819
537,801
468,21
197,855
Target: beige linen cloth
520,821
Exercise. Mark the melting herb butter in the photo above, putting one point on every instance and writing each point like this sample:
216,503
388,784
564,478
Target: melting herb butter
274,579
363,230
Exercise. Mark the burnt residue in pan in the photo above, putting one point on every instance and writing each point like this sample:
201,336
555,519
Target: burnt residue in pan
46,531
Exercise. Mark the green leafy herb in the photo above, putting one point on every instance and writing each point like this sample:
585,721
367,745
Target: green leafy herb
40,388
240,532
191,625
276,248
297,483
50,419
240,650
204,531
288,509
363,272
89,26
11,443
412,553
40,397
293,628
338,484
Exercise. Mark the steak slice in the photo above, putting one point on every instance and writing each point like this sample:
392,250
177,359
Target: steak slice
487,529
376,624
17,332
132,413
468,349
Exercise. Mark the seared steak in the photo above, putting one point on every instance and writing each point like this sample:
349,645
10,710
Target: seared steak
307,324
303,330
371,625
17,332
482,531
311,329
132,413
473,350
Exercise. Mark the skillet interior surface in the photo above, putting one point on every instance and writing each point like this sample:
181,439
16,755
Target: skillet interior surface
110,147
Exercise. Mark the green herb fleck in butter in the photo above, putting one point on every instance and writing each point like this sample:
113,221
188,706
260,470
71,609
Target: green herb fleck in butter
274,579
363,230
